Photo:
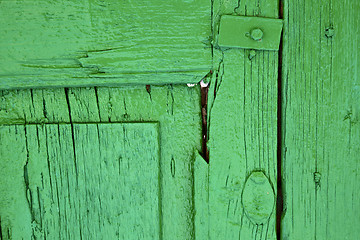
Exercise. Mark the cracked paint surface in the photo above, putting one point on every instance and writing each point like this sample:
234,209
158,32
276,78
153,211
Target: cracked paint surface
176,109
242,129
92,43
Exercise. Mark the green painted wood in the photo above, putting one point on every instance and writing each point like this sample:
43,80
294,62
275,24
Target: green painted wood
233,197
176,109
201,197
250,32
242,127
321,127
83,181
12,185
258,198
97,43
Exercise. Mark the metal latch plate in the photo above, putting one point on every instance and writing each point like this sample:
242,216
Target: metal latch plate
250,32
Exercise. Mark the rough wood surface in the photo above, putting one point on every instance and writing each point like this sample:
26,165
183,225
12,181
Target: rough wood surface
87,43
176,109
201,198
83,181
242,128
321,121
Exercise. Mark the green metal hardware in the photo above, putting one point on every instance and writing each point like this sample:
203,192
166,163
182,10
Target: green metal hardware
250,32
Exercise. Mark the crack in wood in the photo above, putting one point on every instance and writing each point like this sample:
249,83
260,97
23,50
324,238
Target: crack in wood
279,196
204,116
72,132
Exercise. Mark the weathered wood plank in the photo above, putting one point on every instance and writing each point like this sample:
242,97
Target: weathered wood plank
86,181
87,43
321,90
176,108
201,198
33,106
242,129
178,111
13,197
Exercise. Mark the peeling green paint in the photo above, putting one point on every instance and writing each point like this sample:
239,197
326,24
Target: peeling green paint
183,197
97,43
172,111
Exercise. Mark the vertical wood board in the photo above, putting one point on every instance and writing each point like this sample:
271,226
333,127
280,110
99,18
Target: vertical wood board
242,132
321,121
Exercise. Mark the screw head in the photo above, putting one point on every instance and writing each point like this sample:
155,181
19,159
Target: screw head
256,34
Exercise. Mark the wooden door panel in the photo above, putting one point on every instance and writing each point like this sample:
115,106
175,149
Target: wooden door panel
83,181
175,110
282,123
87,43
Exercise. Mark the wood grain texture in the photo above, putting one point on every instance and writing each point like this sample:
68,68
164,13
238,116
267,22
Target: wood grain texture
84,181
12,187
201,198
321,92
98,43
242,127
177,109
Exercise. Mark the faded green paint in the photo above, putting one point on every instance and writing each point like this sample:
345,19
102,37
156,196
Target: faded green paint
258,198
242,127
176,109
201,198
81,181
233,197
321,121
250,32
97,43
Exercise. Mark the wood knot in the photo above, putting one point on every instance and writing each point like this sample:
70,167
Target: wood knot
258,198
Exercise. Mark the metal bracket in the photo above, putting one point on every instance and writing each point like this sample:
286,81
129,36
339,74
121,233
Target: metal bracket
250,32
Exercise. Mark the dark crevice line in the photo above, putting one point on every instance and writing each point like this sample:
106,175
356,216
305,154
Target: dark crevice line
279,200
1,235
40,207
32,101
28,192
97,101
48,163
218,81
44,108
75,122
204,100
244,116
38,138
172,98
148,90
192,201
72,132
160,187
204,93
212,37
